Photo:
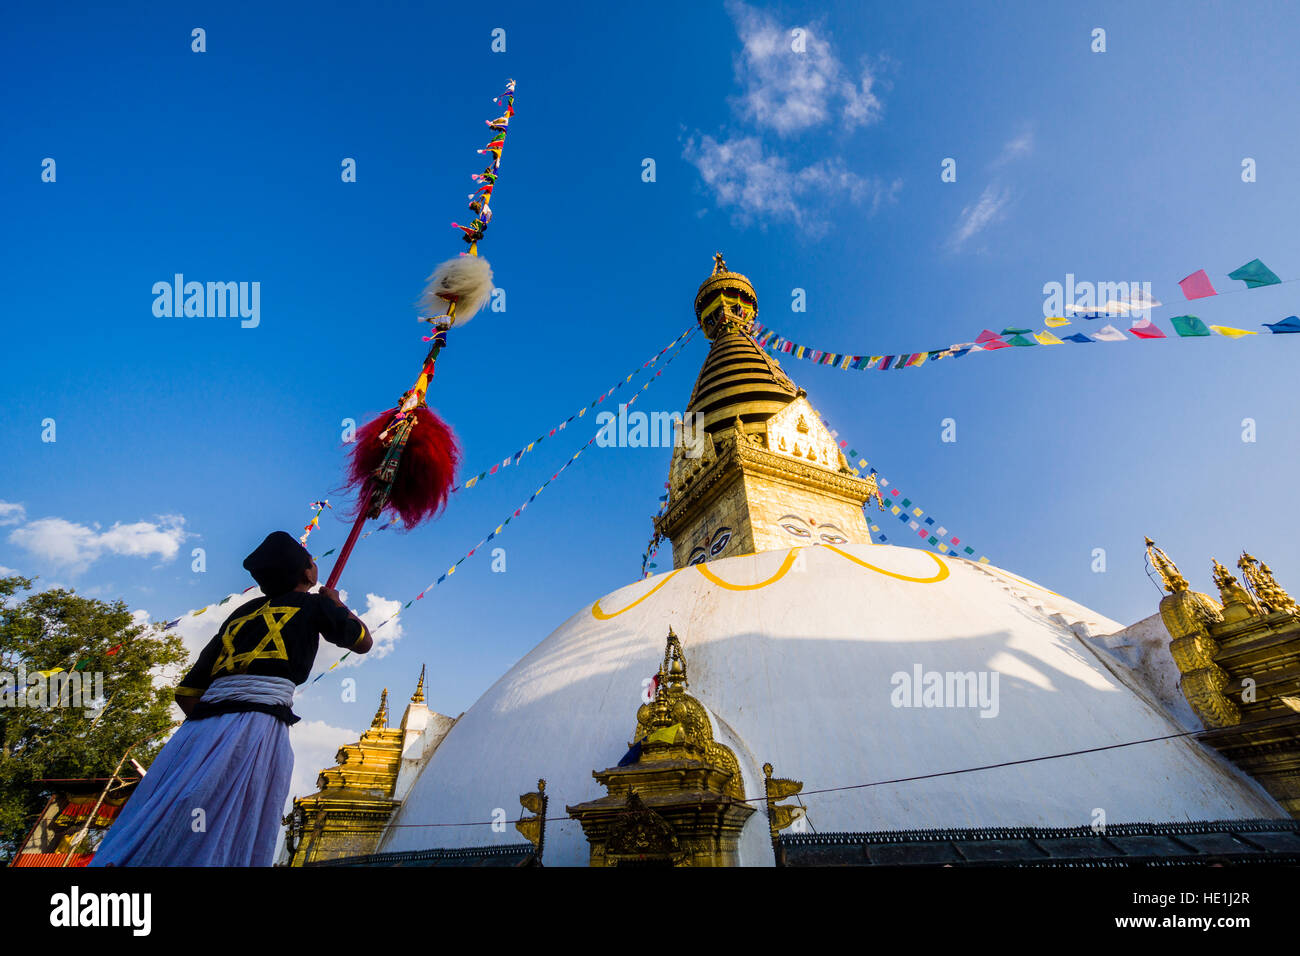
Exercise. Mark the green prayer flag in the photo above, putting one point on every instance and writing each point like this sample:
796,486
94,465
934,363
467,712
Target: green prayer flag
1255,274
1011,331
906,502
1189,326
1020,340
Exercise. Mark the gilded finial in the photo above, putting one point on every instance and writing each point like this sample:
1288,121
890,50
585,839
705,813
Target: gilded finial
381,715
674,665
719,264
1260,580
1169,574
1238,603
418,696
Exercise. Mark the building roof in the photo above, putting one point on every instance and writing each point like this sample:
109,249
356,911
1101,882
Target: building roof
1202,843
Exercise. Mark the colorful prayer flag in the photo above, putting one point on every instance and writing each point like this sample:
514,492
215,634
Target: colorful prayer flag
1197,285
1109,334
1189,326
1047,338
1290,324
1146,329
1230,332
1255,274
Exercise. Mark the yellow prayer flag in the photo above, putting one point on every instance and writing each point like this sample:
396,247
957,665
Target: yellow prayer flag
472,482
862,463
1056,321
1230,332
918,512
664,735
1047,338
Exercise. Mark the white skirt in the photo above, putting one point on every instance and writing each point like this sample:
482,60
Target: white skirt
215,794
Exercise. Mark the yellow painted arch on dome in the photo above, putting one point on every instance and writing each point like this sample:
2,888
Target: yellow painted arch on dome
943,568
786,565
600,615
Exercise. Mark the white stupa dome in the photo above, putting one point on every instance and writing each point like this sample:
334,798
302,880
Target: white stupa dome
806,658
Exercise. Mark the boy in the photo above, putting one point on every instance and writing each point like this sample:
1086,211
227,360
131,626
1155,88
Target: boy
215,794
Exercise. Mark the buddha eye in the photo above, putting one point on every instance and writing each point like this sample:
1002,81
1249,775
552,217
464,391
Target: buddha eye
697,556
797,531
834,539
720,541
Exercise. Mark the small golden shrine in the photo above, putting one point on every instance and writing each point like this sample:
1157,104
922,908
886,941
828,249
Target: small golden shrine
346,817
1240,666
677,798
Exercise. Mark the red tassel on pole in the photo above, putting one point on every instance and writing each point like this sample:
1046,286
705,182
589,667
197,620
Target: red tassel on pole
427,470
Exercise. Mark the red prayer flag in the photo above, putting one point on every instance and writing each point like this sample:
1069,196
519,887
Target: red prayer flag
1146,329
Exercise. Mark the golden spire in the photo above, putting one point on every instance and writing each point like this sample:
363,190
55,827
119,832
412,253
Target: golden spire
674,666
381,715
418,696
1238,603
1259,578
1173,580
726,301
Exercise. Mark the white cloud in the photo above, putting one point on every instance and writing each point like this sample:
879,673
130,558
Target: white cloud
788,90
315,744
11,512
759,184
378,610
1017,147
988,209
6,571
77,546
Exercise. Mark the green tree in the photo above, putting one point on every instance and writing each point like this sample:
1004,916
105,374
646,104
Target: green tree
58,629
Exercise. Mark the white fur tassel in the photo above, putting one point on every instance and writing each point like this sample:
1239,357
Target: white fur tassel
465,280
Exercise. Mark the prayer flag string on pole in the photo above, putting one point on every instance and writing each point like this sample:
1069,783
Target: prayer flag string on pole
908,512
514,458
1136,305
404,461
500,528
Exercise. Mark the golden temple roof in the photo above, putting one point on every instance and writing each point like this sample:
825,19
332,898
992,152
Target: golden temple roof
738,379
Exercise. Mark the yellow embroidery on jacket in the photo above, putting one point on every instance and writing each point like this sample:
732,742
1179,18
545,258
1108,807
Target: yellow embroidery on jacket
271,646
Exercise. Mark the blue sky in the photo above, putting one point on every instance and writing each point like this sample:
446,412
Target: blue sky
821,174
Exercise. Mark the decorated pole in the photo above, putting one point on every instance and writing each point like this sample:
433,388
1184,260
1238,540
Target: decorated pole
405,460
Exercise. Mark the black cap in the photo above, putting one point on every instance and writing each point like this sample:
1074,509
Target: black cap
278,563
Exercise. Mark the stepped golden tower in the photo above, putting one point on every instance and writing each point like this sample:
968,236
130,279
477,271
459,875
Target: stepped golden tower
755,469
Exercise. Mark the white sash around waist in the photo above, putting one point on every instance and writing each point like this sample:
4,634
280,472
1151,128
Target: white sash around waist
254,688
